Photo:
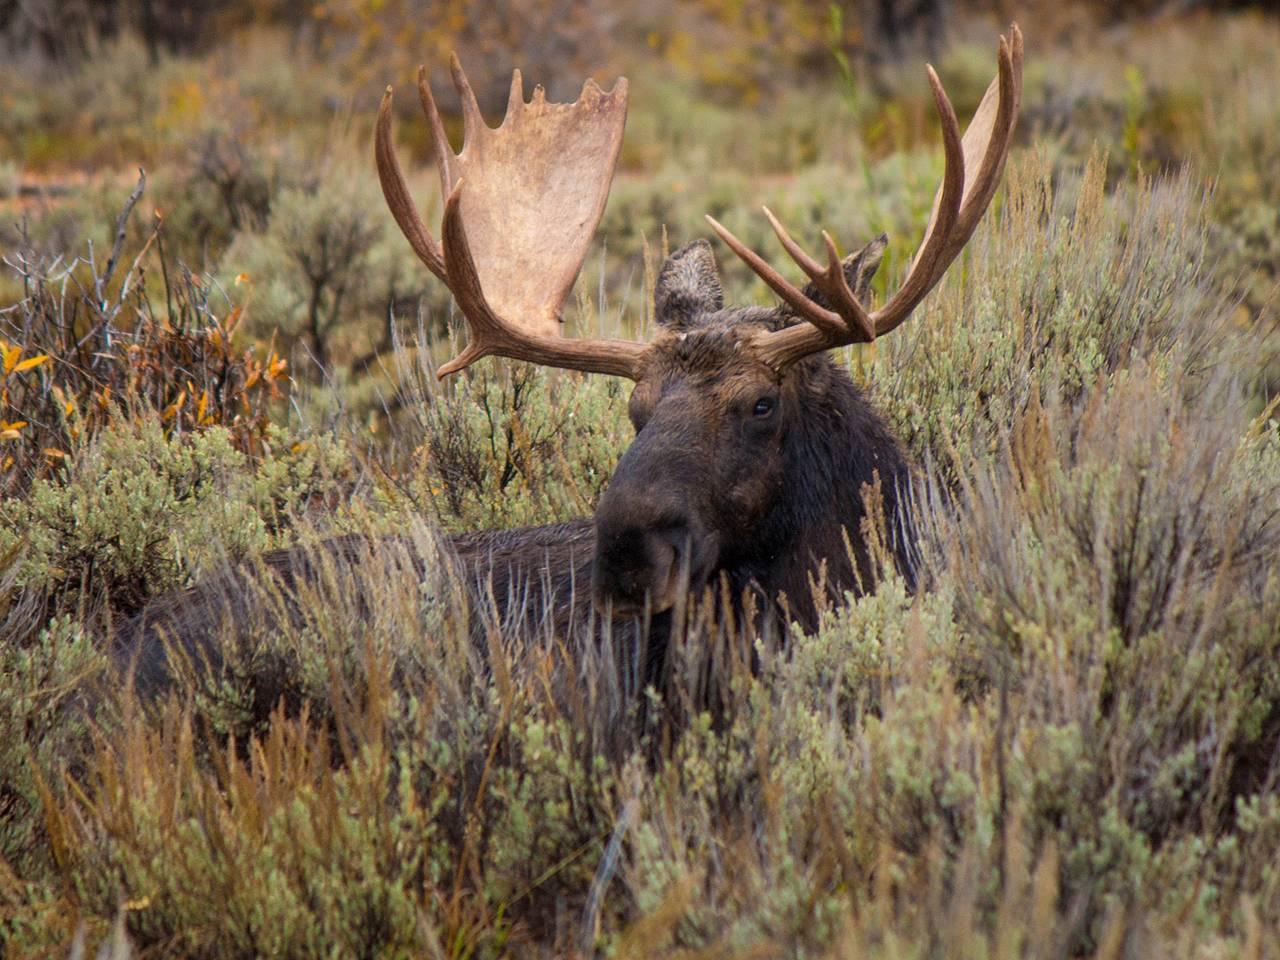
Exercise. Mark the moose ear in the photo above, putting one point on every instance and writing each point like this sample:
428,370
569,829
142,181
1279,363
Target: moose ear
859,268
688,286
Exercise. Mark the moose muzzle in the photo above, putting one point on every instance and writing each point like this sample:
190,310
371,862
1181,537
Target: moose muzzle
650,545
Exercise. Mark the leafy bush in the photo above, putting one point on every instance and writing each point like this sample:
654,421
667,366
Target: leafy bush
503,447
1061,289
88,343
136,513
328,270
44,725
1115,566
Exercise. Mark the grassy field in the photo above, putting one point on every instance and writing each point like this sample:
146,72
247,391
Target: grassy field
1067,743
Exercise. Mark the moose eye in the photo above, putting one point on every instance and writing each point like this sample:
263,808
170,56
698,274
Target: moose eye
764,406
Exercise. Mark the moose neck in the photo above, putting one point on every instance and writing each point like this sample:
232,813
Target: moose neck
813,539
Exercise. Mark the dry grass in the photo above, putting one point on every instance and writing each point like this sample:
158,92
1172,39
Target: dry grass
1065,745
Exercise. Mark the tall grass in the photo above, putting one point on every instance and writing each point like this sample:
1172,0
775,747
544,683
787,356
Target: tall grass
1066,743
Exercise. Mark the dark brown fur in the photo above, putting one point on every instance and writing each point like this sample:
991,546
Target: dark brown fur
711,491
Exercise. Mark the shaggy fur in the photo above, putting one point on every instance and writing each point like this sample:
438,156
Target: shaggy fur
738,476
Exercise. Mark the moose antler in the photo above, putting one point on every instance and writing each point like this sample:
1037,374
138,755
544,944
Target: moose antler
521,205
972,172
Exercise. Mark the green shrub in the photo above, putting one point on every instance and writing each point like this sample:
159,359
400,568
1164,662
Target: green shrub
90,342
495,786
1060,287
136,513
43,727
329,269
509,446
1115,567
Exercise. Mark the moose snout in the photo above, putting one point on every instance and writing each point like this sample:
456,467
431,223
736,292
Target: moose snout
646,552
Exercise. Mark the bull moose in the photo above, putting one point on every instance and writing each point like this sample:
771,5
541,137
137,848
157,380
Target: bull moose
753,450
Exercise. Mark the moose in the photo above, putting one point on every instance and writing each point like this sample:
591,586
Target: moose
754,452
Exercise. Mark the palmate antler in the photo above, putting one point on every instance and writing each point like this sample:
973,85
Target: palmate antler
522,204
971,175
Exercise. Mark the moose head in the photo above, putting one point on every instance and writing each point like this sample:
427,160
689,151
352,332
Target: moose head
752,449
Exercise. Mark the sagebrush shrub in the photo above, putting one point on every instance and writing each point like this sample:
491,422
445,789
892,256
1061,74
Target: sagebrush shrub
327,269
1064,284
502,448
1115,566
137,512
44,727
92,341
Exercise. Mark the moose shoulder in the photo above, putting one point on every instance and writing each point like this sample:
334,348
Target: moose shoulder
753,451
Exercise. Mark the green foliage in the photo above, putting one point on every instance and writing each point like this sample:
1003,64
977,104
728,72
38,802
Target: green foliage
1059,290
1063,745
90,342
1085,551
136,513
327,270
42,727
282,879
510,447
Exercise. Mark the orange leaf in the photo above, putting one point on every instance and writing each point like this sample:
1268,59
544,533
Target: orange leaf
174,407
30,362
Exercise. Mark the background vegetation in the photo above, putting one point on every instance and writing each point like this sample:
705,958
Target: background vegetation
1068,744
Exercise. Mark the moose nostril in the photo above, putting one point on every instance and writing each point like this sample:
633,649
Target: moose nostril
639,561
669,542
661,551
636,547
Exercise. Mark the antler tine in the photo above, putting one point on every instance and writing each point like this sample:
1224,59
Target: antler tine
958,210
855,325
396,190
791,295
958,207
1008,88
439,140
515,99
472,121
930,261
